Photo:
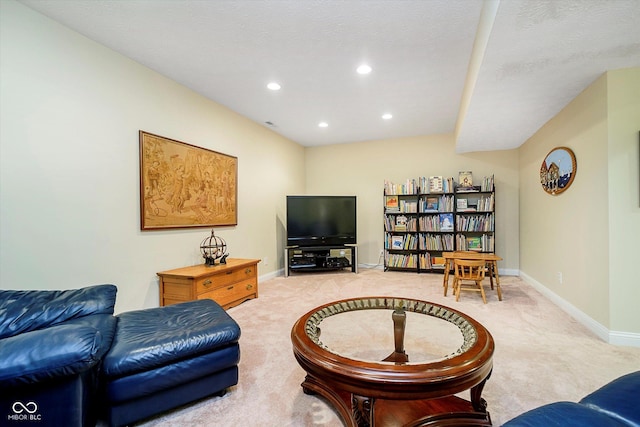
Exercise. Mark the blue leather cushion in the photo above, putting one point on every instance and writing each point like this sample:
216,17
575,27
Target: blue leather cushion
60,350
169,376
24,311
563,414
148,339
620,399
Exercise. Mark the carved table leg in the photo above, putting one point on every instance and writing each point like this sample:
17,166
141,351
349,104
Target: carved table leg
362,410
478,403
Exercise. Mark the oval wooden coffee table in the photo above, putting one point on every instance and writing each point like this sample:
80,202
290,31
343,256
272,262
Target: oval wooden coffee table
432,353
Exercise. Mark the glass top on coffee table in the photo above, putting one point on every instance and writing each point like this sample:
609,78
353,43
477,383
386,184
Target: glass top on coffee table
365,329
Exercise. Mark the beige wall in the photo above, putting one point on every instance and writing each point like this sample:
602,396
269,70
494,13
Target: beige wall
586,233
623,100
69,183
361,168
558,234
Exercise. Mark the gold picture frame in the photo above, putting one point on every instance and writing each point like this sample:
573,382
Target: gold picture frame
184,186
558,170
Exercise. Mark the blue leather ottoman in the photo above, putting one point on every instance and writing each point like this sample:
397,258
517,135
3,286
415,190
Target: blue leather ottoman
165,357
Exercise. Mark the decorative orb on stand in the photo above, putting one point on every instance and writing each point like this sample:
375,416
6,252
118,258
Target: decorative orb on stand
213,248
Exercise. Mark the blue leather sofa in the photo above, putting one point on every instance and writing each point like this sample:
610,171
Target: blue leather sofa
51,347
66,360
615,404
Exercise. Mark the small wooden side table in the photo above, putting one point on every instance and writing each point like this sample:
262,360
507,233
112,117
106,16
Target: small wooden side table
227,284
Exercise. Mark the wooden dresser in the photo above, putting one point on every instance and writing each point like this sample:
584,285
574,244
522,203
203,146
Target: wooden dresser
227,284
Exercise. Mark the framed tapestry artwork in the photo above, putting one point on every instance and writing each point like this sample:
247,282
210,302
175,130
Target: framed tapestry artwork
183,186
558,170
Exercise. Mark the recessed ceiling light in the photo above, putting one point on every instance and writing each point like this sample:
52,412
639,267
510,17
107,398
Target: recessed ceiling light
387,116
363,69
323,124
273,86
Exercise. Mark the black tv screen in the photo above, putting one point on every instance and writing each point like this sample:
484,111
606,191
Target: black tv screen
321,220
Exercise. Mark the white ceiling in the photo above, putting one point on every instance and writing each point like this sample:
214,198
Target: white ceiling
497,69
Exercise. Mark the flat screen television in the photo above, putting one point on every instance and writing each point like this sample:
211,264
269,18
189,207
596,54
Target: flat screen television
321,220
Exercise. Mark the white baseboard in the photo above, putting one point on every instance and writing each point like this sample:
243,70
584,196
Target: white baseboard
370,266
629,339
508,272
271,275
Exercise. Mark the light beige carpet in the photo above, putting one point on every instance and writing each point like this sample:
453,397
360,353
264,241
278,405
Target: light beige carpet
542,355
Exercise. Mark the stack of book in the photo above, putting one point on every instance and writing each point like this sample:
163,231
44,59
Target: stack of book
436,185
475,223
391,204
410,186
436,242
486,203
408,242
487,183
401,261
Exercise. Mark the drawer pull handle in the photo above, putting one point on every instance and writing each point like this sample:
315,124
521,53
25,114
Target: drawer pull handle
247,271
230,288
207,283
249,287
229,272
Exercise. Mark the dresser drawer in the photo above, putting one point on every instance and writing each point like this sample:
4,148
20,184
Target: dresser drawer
230,293
178,289
209,283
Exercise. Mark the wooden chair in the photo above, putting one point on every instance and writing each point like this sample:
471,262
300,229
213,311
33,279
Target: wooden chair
468,276
451,267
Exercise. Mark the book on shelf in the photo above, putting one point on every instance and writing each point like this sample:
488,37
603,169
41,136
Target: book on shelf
409,206
446,203
425,261
462,205
410,186
446,222
435,184
437,262
465,179
397,242
487,183
471,189
449,185
432,204
486,203
391,204
401,261
401,223
474,243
